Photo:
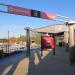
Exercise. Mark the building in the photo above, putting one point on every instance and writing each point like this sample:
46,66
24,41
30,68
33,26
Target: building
57,29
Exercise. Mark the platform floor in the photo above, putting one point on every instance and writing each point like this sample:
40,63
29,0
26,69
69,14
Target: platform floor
48,64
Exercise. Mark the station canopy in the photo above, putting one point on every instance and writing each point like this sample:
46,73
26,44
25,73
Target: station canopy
57,28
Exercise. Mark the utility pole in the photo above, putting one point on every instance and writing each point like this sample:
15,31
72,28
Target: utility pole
20,39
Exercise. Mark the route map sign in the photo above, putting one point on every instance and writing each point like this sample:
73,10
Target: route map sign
28,12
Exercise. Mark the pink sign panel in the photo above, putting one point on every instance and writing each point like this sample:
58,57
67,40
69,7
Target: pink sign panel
29,12
49,16
19,11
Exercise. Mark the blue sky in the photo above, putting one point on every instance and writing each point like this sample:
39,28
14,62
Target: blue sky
16,23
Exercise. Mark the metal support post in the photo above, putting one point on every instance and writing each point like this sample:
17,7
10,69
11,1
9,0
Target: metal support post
54,45
8,42
28,40
71,42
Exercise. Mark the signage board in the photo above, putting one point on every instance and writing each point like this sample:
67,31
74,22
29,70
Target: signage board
28,12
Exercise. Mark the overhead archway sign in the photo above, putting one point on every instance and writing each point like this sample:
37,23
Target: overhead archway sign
28,12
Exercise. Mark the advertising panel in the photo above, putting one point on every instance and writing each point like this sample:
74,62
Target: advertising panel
47,42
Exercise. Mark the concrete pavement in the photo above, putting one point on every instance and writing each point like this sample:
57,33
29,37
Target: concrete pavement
53,65
48,64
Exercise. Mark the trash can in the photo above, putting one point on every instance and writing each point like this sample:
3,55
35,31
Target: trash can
60,44
72,55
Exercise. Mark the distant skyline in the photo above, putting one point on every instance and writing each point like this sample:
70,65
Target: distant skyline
16,23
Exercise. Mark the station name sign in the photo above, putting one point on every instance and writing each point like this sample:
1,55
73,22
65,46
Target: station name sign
29,12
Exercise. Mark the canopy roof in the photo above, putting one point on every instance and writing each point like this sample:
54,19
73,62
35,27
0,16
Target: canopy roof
52,29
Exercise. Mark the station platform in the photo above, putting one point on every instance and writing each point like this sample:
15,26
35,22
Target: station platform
48,64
